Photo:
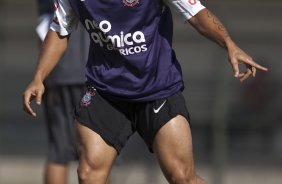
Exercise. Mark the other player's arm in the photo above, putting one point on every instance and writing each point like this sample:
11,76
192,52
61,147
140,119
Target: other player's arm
210,26
53,47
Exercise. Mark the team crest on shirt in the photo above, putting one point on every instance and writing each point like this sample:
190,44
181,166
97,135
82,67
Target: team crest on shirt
86,99
130,3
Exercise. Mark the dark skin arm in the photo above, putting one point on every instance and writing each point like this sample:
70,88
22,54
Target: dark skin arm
210,26
53,48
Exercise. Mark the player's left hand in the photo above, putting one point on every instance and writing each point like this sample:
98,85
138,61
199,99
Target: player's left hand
237,56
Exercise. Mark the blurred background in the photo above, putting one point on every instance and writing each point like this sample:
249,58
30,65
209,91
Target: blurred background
237,128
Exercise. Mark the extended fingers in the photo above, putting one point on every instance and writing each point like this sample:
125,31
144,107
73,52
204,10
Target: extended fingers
250,61
251,66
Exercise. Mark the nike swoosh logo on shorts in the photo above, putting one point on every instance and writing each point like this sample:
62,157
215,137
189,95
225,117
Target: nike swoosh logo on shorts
158,109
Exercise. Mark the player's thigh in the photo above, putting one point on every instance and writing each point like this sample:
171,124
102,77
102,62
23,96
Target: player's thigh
93,151
173,146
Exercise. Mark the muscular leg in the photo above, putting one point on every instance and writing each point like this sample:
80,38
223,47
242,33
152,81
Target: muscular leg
95,156
56,173
173,147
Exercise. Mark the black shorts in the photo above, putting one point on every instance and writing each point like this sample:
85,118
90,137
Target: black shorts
59,102
116,120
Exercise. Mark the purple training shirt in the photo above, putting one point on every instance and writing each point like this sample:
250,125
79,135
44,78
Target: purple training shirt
130,55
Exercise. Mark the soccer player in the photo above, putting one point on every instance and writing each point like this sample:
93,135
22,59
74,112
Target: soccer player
134,80
64,87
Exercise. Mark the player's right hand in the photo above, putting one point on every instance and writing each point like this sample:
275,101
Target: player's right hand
236,57
35,91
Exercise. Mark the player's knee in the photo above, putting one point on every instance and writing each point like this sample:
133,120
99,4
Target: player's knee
90,168
84,171
180,178
182,175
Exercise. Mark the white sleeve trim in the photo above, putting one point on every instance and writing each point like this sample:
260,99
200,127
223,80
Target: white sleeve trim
187,8
64,21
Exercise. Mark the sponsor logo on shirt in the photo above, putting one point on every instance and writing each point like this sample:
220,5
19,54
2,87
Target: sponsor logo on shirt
125,43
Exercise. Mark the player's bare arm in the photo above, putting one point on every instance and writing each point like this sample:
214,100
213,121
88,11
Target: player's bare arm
210,26
52,49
